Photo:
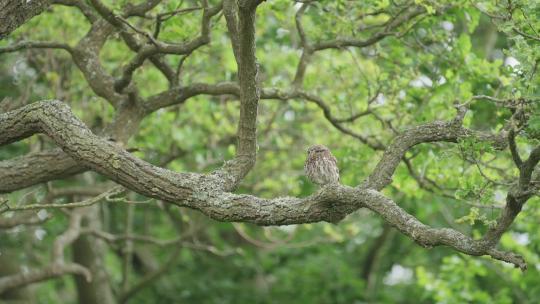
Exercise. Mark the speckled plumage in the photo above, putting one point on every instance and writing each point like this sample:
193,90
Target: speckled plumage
321,166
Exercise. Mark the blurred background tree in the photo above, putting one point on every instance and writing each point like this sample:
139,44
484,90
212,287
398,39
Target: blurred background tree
348,74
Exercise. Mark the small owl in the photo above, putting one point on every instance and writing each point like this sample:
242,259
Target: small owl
321,166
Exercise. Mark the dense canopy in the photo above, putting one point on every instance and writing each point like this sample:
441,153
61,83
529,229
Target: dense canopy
153,151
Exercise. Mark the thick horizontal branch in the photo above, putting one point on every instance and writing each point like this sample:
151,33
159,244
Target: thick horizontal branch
55,119
429,237
206,194
40,167
35,168
15,13
44,166
202,192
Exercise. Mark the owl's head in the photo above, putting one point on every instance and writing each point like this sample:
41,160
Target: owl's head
316,149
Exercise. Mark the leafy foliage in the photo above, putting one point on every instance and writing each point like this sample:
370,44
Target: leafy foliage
454,53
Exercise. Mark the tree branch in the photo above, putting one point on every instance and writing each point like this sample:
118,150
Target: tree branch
248,82
35,168
38,275
157,47
387,31
104,196
35,45
15,13
513,147
58,267
207,194
450,131
230,10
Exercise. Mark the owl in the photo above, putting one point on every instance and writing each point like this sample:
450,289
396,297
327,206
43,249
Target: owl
321,166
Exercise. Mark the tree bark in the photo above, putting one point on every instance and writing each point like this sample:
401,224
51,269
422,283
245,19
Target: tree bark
14,13
90,252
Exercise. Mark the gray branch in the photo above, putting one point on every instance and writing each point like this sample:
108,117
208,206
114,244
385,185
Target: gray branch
15,13
208,193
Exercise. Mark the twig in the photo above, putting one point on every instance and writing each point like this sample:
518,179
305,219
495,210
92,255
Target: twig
104,196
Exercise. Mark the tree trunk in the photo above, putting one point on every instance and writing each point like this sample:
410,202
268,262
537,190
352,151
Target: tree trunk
89,252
